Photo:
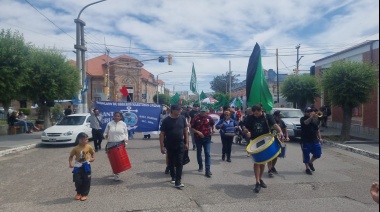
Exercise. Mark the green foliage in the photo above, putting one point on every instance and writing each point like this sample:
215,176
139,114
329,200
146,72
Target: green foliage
163,98
221,83
300,89
349,84
26,111
53,77
14,53
57,110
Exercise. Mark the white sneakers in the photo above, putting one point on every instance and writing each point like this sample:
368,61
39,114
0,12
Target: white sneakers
116,177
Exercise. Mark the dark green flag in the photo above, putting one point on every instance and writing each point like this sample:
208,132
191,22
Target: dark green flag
257,90
203,96
174,99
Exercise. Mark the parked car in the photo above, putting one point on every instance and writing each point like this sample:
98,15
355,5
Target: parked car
67,129
291,117
10,110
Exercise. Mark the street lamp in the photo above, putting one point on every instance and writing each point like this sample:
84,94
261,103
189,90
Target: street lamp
80,47
157,84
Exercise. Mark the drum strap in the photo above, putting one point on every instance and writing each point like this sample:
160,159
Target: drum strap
266,120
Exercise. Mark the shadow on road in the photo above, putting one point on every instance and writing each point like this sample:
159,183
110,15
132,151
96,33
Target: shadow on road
235,191
60,201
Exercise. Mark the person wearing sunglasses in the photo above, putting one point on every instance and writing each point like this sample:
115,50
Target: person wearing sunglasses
256,125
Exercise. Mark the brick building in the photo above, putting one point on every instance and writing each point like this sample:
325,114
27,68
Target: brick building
366,117
122,70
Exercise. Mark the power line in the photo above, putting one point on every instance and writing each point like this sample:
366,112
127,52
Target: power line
48,19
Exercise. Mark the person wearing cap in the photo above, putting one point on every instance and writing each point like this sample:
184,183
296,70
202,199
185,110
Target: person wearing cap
203,126
80,158
256,125
310,139
194,112
174,137
277,117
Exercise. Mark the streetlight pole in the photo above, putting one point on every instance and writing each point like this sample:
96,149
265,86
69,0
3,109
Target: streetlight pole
80,47
158,102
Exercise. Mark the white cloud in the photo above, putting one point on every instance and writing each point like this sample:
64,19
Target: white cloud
206,32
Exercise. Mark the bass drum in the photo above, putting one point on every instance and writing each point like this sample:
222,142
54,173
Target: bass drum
264,148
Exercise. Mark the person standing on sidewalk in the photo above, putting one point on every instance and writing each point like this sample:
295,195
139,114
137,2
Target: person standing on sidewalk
227,127
96,126
203,126
311,139
193,113
174,136
256,125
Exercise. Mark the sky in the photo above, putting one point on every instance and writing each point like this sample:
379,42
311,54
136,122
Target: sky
210,34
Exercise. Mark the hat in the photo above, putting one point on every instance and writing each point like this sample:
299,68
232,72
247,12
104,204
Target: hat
308,109
175,107
195,105
277,113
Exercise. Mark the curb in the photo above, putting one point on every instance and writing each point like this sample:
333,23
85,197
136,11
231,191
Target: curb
17,149
353,149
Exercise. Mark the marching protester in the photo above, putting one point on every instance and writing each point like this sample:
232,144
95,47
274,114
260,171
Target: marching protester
227,128
96,126
116,132
277,117
203,126
193,113
175,138
310,139
256,125
84,154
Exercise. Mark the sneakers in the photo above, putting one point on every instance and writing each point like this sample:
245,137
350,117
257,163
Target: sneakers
208,174
223,157
179,185
308,171
228,160
116,177
83,198
172,181
274,170
262,184
77,197
200,169
257,188
270,173
312,167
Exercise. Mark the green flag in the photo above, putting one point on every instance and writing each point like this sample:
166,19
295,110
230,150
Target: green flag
238,103
174,99
257,88
193,81
203,96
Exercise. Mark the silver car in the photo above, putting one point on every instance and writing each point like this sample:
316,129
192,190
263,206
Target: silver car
291,117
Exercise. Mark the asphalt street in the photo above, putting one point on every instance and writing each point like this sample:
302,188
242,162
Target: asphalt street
40,180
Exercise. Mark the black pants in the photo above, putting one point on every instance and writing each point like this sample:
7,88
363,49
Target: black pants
97,136
175,157
82,180
227,145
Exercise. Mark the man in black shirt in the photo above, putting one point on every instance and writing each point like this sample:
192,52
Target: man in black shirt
174,136
68,111
310,139
277,117
194,112
256,125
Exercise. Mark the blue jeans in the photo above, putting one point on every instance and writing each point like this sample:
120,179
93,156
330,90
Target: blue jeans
205,143
22,123
130,134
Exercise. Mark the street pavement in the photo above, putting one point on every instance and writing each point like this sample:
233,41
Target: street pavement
40,180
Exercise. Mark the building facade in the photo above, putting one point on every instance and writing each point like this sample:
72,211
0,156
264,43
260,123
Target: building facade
366,117
116,73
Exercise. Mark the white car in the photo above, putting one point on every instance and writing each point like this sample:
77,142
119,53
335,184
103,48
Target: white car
291,117
66,131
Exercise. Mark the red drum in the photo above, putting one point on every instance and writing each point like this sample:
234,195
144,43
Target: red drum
118,157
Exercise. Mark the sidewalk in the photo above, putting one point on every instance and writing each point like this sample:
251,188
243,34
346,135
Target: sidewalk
13,141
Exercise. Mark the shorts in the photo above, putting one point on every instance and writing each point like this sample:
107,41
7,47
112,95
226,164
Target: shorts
314,148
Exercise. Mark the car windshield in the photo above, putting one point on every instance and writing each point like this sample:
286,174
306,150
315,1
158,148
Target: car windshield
72,120
291,114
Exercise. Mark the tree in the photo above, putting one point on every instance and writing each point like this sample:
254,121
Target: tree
348,85
54,78
221,83
300,89
14,54
163,98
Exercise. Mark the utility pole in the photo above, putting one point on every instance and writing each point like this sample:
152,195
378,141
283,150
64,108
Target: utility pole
107,90
298,60
230,78
278,84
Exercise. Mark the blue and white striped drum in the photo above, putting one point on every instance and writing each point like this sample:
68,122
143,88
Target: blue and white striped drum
264,148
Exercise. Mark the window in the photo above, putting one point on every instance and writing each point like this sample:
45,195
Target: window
98,98
98,90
